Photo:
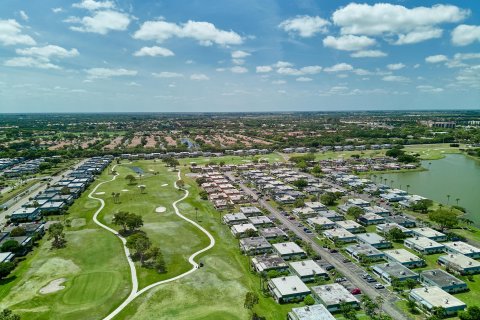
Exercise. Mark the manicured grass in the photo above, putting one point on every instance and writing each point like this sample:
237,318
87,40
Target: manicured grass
271,157
217,290
163,229
93,264
432,151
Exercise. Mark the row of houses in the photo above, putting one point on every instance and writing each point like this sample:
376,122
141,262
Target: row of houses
338,148
58,197
192,154
9,162
270,251
23,168
220,191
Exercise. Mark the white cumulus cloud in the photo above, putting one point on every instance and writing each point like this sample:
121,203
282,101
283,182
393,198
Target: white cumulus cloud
94,5
393,78
464,35
11,34
436,58
101,22
23,15
238,69
339,67
304,79
239,54
48,52
348,42
204,32
199,77
368,54
263,69
305,26
153,52
429,89
395,66
166,74
106,73
408,25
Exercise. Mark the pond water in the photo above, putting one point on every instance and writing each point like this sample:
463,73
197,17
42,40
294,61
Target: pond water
455,175
137,169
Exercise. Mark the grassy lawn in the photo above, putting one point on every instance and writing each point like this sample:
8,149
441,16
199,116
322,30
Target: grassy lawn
217,290
162,228
271,157
432,151
92,264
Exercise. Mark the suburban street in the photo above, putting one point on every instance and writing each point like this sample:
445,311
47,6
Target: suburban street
17,202
350,270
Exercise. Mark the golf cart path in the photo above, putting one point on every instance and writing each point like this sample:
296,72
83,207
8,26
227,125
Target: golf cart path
133,271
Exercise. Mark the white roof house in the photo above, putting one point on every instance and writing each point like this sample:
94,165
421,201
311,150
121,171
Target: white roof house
314,312
288,250
404,257
307,270
431,297
373,239
239,230
350,225
284,289
462,248
339,234
423,245
321,222
333,295
460,263
429,233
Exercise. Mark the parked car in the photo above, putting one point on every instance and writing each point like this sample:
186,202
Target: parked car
370,279
379,286
345,260
356,291
340,279
328,267
365,276
333,250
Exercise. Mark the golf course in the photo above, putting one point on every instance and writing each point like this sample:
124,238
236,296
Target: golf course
90,277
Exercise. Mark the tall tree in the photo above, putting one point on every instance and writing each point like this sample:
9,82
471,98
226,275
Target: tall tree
55,232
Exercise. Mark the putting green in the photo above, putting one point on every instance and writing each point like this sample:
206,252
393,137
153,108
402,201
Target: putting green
91,287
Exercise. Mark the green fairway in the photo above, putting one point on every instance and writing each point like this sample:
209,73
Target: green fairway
271,157
164,229
217,290
93,265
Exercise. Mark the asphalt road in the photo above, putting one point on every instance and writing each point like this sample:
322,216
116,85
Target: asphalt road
16,204
350,270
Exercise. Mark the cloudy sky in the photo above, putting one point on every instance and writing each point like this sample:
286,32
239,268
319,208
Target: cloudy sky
238,55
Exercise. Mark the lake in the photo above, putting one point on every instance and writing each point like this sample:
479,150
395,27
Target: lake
454,175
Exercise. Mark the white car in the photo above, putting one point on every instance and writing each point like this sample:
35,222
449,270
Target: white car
379,286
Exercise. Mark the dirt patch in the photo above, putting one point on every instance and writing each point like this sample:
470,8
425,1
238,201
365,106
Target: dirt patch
160,209
53,286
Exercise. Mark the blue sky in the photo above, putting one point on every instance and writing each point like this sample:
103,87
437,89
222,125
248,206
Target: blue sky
238,55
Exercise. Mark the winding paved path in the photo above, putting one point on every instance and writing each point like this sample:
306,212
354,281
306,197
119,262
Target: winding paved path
134,293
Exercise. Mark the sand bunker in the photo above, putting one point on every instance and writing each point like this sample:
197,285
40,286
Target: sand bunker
160,209
165,184
125,190
100,193
53,286
151,170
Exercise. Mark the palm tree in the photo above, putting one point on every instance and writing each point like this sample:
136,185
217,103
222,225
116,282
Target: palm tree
196,214
457,199
391,183
448,199
408,186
